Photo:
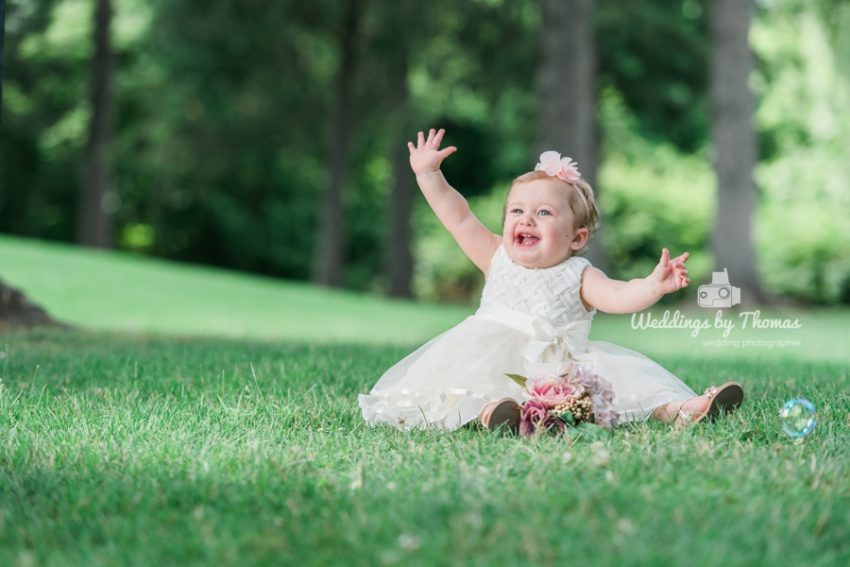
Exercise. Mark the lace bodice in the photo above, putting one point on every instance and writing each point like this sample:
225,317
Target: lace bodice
552,293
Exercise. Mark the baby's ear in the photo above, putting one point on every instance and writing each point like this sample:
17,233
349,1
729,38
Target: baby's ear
580,238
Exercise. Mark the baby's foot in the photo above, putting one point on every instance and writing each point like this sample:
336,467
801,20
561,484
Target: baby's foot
669,413
716,400
690,411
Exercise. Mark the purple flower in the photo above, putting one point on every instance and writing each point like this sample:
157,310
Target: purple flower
534,414
554,423
601,391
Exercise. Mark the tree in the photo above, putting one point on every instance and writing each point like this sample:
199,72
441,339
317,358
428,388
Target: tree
403,28
399,259
328,255
2,33
567,94
734,145
97,196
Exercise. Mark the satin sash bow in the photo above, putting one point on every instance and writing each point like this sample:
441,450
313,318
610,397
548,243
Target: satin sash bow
568,339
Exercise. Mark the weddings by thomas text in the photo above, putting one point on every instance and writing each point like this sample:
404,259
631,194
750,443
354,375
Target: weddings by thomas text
722,321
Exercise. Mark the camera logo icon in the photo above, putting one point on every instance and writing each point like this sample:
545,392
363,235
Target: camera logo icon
719,293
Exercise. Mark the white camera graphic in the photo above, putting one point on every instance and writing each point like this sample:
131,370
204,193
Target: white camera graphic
719,293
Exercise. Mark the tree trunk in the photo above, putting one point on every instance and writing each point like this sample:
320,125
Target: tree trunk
328,253
2,34
567,93
97,198
734,145
399,259
2,38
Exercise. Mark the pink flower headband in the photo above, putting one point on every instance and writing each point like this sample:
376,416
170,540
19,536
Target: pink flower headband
563,168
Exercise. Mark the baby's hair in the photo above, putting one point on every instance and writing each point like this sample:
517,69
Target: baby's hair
581,199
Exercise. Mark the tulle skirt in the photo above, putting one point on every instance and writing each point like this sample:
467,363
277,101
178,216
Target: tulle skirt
446,382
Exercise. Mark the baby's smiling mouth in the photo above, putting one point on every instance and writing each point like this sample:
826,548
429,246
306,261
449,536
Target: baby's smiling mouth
526,239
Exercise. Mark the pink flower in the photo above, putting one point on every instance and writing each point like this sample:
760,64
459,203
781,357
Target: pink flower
553,164
534,414
552,391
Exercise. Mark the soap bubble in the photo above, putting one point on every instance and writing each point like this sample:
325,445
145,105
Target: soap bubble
798,418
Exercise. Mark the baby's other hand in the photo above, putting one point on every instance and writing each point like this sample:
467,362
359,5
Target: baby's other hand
670,275
426,156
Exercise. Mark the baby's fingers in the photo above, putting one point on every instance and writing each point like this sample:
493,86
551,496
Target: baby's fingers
438,138
411,147
665,257
680,281
420,140
446,152
431,136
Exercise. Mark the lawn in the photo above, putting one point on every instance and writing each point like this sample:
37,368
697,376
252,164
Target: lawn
177,442
121,292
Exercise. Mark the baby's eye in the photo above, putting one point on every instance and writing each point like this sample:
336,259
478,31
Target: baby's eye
516,211
544,212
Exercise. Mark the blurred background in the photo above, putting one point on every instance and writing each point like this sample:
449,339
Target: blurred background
270,137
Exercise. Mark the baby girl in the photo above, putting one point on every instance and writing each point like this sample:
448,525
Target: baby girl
536,309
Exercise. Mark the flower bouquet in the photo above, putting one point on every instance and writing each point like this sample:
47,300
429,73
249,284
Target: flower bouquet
575,396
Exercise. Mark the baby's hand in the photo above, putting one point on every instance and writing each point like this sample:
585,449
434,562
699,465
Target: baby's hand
670,275
427,156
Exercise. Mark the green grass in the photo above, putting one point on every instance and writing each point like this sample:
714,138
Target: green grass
122,292
121,448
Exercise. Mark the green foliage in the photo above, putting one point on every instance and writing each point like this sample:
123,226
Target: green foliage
652,197
803,237
656,55
44,89
221,118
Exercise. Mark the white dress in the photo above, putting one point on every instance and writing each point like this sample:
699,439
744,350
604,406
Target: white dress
529,321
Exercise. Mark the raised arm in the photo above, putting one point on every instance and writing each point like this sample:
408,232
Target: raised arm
616,296
451,208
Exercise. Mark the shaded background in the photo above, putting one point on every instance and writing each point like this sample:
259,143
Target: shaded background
270,137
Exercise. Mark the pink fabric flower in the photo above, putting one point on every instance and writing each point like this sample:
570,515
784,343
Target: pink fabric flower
553,390
553,164
534,414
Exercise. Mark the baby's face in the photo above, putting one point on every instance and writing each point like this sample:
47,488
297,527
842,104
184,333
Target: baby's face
538,230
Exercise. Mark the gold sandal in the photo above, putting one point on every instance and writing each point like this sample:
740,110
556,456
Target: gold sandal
724,399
